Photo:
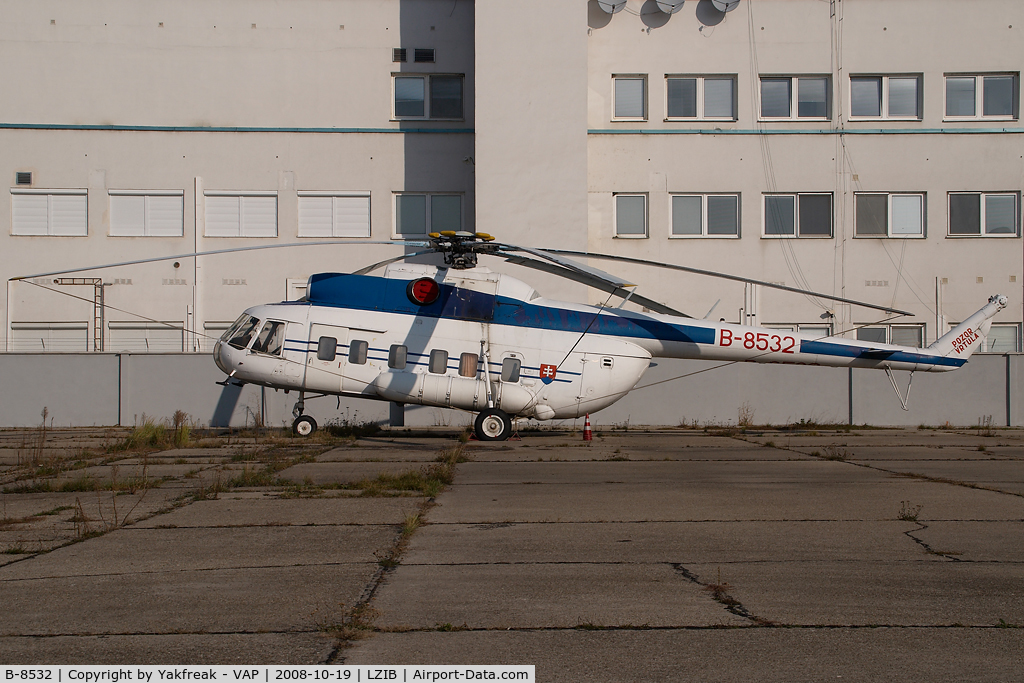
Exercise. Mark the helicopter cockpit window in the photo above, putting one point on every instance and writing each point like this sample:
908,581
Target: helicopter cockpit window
510,369
271,339
241,332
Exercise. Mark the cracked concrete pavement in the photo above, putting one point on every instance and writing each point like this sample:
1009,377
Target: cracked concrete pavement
685,554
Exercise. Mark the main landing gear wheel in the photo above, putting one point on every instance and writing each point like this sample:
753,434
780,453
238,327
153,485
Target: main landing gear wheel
493,425
304,425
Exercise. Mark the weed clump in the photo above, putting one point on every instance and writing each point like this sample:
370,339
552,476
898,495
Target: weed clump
908,512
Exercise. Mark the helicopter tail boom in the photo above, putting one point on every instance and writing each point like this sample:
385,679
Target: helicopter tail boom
965,338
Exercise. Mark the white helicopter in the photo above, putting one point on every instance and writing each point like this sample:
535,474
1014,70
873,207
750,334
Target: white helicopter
462,336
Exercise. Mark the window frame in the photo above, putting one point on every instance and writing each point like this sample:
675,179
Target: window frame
979,96
49,194
146,194
700,98
437,362
644,100
982,218
888,213
796,215
884,94
615,216
240,195
888,332
1017,332
428,227
333,196
427,96
794,97
704,215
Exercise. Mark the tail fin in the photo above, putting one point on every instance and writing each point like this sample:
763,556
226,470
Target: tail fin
965,338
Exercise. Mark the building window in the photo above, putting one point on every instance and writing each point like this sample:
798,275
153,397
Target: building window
431,96
900,335
1003,338
146,213
701,97
68,337
328,214
795,97
705,215
815,331
146,337
982,96
630,97
58,213
798,215
438,364
885,97
419,214
880,214
630,215
983,214
236,214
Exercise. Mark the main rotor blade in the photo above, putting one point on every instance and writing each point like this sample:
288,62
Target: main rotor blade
570,264
378,264
156,259
725,276
590,281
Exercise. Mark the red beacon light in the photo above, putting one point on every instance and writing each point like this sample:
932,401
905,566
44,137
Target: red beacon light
423,292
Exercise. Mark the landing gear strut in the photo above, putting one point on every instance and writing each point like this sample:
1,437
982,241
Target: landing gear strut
304,425
493,424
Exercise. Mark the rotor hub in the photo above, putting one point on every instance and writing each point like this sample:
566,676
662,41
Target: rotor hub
460,248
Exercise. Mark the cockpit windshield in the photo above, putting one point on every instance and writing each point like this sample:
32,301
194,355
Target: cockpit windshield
240,334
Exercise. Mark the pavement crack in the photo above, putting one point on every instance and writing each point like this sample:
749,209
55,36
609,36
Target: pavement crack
927,548
719,591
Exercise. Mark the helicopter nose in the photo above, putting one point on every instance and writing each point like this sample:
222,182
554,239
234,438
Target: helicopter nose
218,357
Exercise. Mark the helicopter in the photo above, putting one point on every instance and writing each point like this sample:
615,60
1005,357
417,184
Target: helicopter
465,337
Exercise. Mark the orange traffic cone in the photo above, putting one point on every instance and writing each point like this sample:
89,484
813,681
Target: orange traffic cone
587,434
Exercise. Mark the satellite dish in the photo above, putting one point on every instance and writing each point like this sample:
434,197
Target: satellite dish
611,6
670,6
724,5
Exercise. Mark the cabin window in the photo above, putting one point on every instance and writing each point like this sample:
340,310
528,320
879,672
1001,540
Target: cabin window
438,362
357,352
241,332
468,364
510,369
326,348
271,339
397,356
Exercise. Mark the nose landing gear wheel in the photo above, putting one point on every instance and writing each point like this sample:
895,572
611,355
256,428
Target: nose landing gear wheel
493,425
304,425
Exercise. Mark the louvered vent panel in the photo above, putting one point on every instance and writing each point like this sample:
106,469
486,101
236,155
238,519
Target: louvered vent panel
423,54
398,54
24,178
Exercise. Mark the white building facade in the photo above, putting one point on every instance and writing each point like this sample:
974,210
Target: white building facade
868,149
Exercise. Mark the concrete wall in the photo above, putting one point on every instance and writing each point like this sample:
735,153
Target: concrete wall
109,389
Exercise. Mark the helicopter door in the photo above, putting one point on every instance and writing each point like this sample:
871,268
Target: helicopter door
327,357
